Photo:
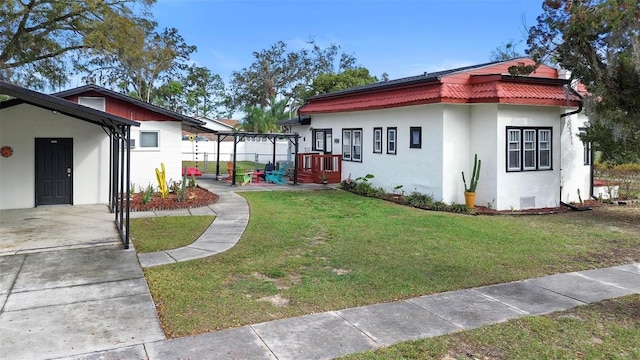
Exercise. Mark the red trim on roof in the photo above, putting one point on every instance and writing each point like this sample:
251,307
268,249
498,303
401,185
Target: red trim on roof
490,84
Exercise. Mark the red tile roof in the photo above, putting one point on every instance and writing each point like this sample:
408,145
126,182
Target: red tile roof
485,84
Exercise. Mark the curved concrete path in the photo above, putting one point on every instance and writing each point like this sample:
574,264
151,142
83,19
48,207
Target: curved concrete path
232,216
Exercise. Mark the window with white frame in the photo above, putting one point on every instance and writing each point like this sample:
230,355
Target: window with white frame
149,139
392,140
377,140
352,145
93,102
528,149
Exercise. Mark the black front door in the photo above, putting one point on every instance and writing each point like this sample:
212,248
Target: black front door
54,165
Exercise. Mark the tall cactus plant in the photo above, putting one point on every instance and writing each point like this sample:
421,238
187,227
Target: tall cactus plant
475,175
162,182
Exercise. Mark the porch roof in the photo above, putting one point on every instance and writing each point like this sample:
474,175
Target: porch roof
22,95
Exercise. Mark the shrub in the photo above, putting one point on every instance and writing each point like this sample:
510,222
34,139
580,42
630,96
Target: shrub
146,194
419,200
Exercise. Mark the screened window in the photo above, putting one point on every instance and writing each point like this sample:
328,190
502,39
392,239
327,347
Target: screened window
352,145
149,139
377,140
528,149
415,134
392,140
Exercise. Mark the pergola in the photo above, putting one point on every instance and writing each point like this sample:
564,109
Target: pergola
241,136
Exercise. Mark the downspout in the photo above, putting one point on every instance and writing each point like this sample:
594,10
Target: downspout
579,110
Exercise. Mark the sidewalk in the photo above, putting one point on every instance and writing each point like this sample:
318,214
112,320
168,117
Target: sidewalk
338,333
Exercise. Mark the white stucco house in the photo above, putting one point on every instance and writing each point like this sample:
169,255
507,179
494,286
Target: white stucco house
421,132
56,152
157,140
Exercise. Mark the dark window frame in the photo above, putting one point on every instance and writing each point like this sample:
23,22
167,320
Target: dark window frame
379,142
351,144
394,141
538,149
325,140
412,131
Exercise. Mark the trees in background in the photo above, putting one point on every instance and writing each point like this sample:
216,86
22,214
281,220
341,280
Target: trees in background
278,74
599,42
137,60
330,82
40,39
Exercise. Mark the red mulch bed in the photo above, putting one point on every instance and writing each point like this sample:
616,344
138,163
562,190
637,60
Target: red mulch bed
196,197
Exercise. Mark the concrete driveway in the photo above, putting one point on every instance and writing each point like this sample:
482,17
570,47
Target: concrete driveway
46,228
68,287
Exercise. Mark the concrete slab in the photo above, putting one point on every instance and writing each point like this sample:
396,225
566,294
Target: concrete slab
9,268
203,210
55,269
178,212
74,294
65,330
141,214
219,231
391,323
155,259
528,298
136,352
240,343
633,268
579,287
230,222
188,253
466,309
317,336
617,277
47,228
212,247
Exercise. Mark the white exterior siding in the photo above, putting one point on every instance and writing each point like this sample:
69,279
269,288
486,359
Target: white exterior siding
19,127
144,161
457,146
527,189
484,142
575,174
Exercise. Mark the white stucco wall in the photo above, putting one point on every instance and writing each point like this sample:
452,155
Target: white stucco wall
20,125
451,135
484,142
457,146
541,187
575,174
144,161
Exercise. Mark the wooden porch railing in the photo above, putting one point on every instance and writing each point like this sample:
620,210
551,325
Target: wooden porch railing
314,165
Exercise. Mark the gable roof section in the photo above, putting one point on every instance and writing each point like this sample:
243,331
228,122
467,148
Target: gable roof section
92,89
484,83
22,95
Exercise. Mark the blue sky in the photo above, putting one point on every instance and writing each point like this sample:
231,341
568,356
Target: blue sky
401,37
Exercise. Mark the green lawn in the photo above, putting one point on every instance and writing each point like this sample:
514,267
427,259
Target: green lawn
306,252
164,233
606,330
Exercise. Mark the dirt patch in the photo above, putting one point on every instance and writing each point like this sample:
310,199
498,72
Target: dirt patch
276,300
196,197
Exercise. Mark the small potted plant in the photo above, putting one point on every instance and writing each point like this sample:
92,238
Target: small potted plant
470,191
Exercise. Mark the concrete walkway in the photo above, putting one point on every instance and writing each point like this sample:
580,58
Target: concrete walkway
338,333
96,305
